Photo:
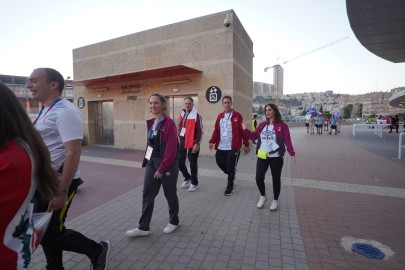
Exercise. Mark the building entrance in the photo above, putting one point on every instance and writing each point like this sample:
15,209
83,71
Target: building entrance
103,122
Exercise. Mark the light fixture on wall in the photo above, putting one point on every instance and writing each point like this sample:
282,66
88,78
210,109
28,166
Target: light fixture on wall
175,82
99,89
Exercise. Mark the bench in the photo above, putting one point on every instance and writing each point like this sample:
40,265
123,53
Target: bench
374,128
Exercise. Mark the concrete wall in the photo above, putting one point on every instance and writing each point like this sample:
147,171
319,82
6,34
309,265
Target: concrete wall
223,54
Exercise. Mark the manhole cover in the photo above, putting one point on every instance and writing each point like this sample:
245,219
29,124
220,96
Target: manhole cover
368,251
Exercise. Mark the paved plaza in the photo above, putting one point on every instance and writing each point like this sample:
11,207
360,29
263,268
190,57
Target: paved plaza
340,190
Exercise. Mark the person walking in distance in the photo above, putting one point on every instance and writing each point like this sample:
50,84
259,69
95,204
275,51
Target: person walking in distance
61,126
190,132
333,125
227,140
394,123
254,125
273,138
161,167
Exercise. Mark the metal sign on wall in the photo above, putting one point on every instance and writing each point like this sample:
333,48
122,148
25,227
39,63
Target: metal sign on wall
213,94
81,102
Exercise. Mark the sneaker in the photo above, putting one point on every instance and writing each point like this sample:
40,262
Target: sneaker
137,232
273,205
170,228
101,262
185,184
228,191
261,202
193,188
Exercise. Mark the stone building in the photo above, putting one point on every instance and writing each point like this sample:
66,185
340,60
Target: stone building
200,58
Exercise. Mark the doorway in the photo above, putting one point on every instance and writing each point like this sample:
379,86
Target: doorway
103,122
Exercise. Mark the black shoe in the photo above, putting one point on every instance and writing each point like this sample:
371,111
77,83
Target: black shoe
102,261
228,191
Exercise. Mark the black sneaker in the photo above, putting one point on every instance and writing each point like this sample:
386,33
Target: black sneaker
102,260
228,191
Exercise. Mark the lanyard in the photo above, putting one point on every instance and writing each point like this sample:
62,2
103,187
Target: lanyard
184,119
154,127
267,134
43,107
223,119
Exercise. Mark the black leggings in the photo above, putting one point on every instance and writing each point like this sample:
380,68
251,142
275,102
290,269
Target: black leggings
276,165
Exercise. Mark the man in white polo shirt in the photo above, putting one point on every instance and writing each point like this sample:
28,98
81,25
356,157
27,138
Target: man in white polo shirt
61,126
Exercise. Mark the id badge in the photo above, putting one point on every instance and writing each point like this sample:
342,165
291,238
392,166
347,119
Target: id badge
274,146
182,132
148,154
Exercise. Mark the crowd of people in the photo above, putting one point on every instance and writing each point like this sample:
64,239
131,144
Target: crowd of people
44,155
393,122
320,123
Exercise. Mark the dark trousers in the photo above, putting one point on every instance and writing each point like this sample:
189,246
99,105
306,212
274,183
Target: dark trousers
192,158
396,126
151,187
227,160
276,165
57,238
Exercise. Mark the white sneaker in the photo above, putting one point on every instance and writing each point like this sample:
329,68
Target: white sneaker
185,184
193,188
170,228
273,205
137,232
261,201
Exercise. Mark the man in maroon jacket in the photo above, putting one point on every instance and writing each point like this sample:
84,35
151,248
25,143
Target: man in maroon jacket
227,139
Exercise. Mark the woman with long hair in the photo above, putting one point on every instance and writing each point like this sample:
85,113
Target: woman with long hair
25,168
161,167
273,138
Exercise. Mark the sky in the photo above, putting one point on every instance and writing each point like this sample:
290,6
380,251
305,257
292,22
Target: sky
43,33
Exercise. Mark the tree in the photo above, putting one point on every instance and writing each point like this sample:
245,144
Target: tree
347,110
260,111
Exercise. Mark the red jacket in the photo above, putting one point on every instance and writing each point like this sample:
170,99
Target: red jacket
237,131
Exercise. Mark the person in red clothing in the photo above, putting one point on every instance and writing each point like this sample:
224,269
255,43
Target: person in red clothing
190,130
227,139
161,167
274,138
25,170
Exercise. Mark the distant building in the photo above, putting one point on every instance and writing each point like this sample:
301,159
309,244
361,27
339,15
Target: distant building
18,84
263,89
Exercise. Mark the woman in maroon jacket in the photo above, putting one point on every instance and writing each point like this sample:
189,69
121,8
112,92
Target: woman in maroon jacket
161,167
274,137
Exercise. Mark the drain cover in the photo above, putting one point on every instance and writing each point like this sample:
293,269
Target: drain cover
368,251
